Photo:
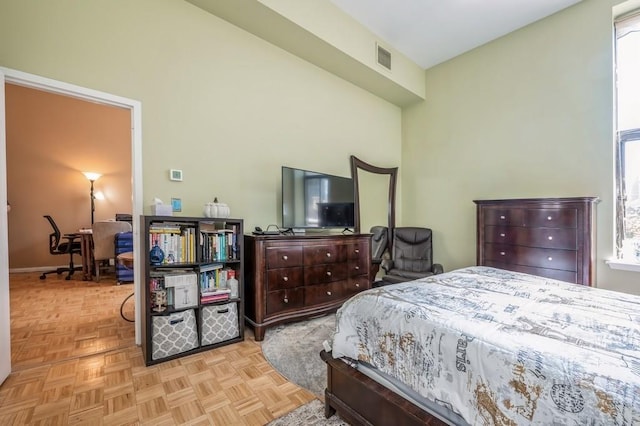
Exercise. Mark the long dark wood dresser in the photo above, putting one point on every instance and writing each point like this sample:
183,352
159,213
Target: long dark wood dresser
548,237
290,278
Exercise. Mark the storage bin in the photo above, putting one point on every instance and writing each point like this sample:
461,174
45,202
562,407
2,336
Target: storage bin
173,334
219,323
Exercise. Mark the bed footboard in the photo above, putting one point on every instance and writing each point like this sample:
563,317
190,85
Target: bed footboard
359,400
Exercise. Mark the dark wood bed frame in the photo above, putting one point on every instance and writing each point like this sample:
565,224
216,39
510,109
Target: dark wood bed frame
359,400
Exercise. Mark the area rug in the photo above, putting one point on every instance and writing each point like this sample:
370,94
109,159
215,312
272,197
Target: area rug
294,351
310,414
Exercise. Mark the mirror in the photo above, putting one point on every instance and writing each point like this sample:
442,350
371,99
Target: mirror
375,196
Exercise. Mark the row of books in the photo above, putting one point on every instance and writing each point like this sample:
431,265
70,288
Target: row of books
176,242
219,245
214,282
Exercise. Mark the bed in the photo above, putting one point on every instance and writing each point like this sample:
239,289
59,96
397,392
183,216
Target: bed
485,346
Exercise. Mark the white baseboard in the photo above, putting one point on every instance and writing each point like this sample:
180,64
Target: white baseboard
38,268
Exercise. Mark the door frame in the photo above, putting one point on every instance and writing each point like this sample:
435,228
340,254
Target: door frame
33,81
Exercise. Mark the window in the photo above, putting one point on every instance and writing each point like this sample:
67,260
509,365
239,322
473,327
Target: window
628,137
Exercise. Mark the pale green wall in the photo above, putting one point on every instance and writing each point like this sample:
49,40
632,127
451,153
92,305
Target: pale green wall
222,105
528,115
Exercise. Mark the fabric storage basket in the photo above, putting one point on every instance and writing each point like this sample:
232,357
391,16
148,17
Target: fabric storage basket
219,323
173,334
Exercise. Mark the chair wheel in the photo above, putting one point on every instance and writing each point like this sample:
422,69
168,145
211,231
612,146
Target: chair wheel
43,276
68,277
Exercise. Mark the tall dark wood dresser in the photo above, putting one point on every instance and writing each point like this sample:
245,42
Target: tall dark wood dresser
548,237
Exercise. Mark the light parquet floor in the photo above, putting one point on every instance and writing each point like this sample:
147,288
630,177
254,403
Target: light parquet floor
75,363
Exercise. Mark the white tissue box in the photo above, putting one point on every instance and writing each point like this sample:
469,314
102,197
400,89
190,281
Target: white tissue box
161,210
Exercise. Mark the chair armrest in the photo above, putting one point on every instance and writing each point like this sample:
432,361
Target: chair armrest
71,237
437,268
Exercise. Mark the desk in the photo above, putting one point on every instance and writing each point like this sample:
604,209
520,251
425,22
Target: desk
86,249
126,259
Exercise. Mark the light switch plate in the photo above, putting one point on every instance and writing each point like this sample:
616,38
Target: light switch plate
175,174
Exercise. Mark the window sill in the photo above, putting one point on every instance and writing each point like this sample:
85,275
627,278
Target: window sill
623,266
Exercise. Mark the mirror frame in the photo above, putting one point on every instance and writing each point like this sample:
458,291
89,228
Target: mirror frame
357,164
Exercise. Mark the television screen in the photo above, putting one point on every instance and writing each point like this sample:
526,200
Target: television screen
316,200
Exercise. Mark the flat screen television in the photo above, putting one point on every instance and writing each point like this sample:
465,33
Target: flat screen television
316,200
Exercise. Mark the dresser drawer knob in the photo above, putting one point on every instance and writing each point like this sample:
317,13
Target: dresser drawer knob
357,251
328,254
285,278
502,217
549,258
357,268
357,285
328,273
286,300
502,253
549,218
285,257
550,237
502,234
328,293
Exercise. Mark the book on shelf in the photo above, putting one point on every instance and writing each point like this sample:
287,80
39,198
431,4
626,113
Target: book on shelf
215,296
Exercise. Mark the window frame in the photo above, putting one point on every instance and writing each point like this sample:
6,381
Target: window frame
623,137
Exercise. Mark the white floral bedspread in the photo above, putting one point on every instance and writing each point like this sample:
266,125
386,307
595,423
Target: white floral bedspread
503,348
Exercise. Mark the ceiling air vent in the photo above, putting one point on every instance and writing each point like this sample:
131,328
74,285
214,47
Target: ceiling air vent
383,56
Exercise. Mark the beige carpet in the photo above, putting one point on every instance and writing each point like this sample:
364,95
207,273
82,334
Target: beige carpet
310,414
294,351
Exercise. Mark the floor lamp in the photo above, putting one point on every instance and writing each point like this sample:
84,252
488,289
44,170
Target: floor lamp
92,178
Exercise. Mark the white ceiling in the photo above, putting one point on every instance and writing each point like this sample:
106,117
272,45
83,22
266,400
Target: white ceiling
432,31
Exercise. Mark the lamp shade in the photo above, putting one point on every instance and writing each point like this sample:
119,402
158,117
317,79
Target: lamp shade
92,176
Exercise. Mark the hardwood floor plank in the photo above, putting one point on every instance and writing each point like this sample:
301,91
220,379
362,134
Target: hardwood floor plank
75,363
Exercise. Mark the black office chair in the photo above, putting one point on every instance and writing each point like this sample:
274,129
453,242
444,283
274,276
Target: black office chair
411,256
67,244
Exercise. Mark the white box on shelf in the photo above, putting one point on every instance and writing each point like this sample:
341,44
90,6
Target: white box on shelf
185,289
161,210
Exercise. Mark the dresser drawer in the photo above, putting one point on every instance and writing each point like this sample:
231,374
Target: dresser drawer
356,251
556,274
357,267
559,238
282,257
283,300
531,256
325,273
503,216
314,255
282,278
551,218
356,284
322,293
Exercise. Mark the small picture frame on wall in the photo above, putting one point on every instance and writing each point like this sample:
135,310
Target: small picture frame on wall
176,204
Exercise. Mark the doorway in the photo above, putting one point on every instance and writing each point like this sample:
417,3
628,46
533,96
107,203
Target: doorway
53,86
